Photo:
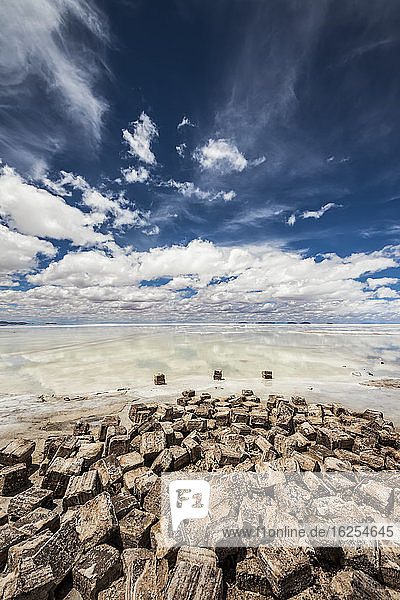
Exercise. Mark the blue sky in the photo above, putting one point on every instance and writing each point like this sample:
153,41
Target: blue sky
199,160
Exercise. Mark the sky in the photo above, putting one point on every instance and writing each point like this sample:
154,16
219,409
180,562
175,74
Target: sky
199,160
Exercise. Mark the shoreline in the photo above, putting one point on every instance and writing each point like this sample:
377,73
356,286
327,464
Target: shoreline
40,416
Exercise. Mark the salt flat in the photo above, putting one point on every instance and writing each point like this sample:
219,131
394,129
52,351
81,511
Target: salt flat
322,362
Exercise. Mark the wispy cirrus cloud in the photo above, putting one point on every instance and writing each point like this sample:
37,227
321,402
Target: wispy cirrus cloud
44,60
189,190
312,214
317,214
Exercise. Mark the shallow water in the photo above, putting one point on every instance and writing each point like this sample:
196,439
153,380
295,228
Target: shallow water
84,359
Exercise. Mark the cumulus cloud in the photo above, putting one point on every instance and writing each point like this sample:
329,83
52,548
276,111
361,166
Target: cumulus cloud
386,292
186,122
36,212
144,132
376,282
291,220
220,155
18,253
155,230
181,150
223,156
106,206
227,196
58,44
132,175
250,281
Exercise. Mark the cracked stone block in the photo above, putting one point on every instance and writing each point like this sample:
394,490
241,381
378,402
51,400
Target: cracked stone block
116,591
16,452
123,503
130,461
37,520
59,472
266,374
135,528
159,379
251,575
9,537
356,585
109,421
110,473
140,482
24,503
81,489
194,582
96,570
61,551
334,438
28,582
26,549
288,570
163,462
13,479
152,443
96,521
90,453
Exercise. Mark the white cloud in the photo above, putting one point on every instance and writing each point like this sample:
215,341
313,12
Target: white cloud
181,150
317,214
153,231
37,45
18,253
132,175
374,283
336,160
386,292
126,217
36,212
249,281
185,123
103,206
86,269
144,131
8,282
227,196
257,161
312,214
189,190
220,155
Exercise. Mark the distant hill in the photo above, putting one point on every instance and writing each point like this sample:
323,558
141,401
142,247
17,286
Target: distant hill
2,323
